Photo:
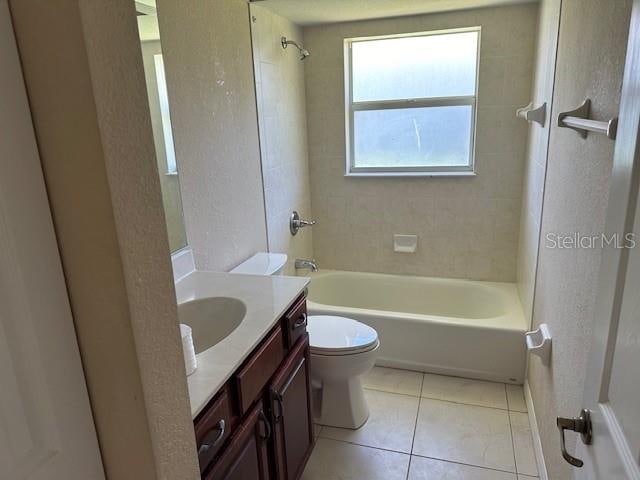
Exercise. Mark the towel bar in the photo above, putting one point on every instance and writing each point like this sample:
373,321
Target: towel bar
579,121
531,114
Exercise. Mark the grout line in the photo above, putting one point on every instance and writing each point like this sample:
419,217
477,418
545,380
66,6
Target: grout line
467,404
467,464
415,426
422,456
513,442
388,391
365,446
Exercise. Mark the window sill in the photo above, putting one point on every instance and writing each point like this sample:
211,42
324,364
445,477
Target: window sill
410,174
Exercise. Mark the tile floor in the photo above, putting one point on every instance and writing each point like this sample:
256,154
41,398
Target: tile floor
424,426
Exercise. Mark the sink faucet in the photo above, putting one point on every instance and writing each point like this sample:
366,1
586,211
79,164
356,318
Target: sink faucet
303,263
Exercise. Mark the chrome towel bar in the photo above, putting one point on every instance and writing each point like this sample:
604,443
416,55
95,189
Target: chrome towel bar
579,121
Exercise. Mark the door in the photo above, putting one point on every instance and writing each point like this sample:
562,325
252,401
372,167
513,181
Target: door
611,440
247,456
291,413
46,427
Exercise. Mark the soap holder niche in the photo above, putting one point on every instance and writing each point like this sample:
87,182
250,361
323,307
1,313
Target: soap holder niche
539,342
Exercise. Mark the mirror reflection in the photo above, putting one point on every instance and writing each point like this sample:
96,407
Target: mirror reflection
161,122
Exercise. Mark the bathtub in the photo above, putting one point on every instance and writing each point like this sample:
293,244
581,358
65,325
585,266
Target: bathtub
438,325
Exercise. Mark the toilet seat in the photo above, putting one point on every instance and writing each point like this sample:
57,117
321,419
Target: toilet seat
332,335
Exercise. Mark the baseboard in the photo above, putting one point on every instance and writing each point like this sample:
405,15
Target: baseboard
535,433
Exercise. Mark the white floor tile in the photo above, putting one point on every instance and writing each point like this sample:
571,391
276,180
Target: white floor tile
523,444
430,469
391,423
464,433
526,477
393,380
316,430
332,460
464,390
515,398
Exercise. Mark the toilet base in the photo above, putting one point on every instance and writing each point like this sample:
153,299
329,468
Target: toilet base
342,404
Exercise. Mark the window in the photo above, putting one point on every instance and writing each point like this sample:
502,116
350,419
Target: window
411,102
165,116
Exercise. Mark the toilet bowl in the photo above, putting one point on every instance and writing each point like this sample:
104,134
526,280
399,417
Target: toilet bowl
342,350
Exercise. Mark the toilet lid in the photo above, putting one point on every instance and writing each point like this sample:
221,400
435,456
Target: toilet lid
339,335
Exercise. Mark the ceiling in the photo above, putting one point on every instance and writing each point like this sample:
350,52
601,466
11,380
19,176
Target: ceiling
313,12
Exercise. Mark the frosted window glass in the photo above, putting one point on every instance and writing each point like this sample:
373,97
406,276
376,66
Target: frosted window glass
413,137
440,65
165,115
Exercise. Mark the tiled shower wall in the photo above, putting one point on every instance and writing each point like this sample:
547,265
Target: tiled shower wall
467,227
282,123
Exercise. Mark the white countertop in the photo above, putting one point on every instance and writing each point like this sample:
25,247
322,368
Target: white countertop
266,299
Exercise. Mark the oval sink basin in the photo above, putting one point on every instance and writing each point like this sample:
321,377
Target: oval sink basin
211,319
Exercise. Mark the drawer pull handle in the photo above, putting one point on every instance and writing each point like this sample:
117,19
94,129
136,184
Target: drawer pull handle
278,398
301,323
267,426
209,444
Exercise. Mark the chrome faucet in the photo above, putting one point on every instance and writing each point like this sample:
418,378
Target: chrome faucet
303,263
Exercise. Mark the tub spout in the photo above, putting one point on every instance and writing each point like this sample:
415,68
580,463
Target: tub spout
303,263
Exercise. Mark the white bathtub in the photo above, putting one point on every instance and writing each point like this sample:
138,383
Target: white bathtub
454,327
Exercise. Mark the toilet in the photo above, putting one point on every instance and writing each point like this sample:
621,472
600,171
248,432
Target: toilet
342,351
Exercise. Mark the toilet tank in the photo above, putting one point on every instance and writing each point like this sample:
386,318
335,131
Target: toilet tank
263,263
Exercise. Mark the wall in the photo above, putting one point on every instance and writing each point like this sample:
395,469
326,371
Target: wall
85,81
169,183
468,227
536,156
209,70
591,53
283,132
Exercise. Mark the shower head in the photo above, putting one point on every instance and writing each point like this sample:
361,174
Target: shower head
304,53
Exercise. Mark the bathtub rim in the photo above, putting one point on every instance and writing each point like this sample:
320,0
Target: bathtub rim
513,320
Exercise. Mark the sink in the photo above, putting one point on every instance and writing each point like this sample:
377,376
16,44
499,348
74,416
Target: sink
211,319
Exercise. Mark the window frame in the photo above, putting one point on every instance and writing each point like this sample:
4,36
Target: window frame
351,107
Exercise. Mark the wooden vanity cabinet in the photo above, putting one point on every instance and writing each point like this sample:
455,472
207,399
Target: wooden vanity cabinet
290,407
247,455
267,432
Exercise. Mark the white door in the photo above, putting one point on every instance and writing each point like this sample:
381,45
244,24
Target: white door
46,427
612,389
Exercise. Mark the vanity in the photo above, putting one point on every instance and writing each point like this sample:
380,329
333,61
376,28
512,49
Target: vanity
250,396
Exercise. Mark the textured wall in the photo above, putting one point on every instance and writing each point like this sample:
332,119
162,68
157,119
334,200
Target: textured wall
467,227
84,76
170,184
207,56
591,52
283,132
536,156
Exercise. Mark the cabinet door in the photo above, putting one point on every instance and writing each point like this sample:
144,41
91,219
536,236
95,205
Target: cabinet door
291,413
247,456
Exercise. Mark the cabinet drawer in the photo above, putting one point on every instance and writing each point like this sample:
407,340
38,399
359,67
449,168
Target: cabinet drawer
257,371
295,321
213,429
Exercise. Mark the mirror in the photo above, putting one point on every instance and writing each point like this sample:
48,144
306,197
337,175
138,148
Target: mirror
161,122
